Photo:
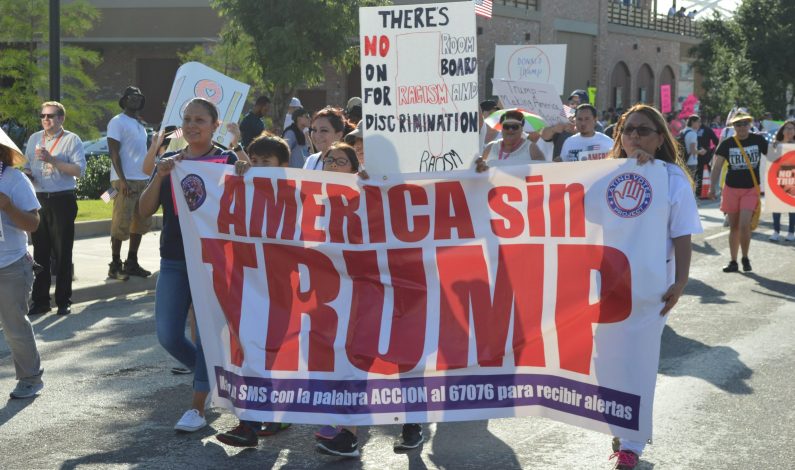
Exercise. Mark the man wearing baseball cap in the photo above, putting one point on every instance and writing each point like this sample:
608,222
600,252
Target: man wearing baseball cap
127,146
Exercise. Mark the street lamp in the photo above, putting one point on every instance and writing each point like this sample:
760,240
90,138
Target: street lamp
55,50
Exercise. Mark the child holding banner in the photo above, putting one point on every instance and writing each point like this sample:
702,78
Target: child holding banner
265,151
643,134
172,293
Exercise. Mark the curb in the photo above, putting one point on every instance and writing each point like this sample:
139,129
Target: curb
113,288
101,228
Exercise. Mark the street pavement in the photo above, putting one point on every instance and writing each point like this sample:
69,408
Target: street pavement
723,398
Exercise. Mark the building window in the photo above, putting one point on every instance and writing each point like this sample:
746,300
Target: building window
524,4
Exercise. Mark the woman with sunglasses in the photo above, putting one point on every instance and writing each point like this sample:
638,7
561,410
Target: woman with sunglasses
740,195
328,126
514,148
643,134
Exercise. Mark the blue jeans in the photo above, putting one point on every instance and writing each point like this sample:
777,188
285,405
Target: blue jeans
777,222
172,302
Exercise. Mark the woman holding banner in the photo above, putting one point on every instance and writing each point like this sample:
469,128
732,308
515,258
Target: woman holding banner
785,135
328,126
643,134
172,293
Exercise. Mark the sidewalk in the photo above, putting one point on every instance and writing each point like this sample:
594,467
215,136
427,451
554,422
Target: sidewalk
91,255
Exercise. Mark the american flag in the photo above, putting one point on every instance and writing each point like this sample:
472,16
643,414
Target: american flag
176,134
108,195
483,8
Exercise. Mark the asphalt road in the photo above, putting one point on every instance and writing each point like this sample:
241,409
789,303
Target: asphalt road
724,398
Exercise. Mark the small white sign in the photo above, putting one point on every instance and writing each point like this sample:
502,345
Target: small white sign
539,63
537,98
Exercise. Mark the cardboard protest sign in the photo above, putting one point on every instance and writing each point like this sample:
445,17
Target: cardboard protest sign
538,98
419,87
779,179
538,63
525,290
193,80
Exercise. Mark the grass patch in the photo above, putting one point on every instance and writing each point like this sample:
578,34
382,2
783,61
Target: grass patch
96,209
93,209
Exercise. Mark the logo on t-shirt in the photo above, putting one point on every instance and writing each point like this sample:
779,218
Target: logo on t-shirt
194,191
629,195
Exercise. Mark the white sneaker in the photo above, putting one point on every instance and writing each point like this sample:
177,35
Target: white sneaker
791,237
773,237
27,390
191,421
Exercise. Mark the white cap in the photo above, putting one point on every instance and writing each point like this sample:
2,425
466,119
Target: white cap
295,102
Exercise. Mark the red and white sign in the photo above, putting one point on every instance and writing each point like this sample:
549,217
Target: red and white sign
779,182
525,290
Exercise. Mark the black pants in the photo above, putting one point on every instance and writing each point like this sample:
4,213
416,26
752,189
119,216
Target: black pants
54,239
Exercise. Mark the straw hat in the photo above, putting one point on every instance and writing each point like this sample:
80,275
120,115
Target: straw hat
18,158
741,116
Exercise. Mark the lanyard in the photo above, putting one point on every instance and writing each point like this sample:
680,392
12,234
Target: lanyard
53,145
503,154
2,169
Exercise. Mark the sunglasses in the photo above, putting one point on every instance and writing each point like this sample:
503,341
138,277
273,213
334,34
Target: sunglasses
642,131
511,127
338,161
742,124
48,116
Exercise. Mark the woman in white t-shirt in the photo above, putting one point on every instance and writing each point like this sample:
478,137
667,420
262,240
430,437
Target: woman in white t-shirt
513,148
642,133
18,214
328,127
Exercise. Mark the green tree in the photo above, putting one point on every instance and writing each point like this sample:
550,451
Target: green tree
24,39
288,43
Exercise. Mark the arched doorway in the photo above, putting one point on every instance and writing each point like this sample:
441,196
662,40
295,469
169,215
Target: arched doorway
620,81
645,85
667,78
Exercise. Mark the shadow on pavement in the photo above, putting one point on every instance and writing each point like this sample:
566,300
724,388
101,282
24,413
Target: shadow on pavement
705,292
718,365
12,407
707,249
785,290
472,443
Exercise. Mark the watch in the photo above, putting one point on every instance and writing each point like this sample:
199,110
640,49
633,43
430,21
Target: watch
237,148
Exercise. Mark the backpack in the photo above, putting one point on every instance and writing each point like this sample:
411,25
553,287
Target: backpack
681,139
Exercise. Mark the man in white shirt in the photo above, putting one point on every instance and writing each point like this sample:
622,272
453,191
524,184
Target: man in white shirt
587,144
127,146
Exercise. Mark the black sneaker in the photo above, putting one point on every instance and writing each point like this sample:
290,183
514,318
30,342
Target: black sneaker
344,444
116,271
132,268
731,267
410,437
38,309
240,436
746,264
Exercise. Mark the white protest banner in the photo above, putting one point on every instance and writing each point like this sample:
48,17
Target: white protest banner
193,80
419,87
538,98
324,298
538,63
779,179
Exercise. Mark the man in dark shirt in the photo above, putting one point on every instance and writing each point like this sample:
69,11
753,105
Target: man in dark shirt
252,126
707,140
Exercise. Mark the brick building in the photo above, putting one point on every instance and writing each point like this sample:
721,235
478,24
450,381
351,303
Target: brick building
622,48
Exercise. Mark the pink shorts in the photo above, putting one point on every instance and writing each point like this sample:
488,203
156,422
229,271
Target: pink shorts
735,200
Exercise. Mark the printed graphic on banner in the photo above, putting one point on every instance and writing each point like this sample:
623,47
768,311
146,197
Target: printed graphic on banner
193,80
538,98
538,63
323,298
780,181
419,87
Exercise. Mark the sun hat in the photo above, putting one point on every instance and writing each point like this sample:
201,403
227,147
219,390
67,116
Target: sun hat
18,158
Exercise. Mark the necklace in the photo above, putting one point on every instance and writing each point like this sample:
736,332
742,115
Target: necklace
505,153
212,147
2,169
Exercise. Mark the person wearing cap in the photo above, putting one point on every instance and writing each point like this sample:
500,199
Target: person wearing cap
18,215
127,146
296,136
251,126
55,159
355,139
740,195
295,103
353,110
487,134
514,148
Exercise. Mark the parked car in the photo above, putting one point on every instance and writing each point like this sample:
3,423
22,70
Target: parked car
97,147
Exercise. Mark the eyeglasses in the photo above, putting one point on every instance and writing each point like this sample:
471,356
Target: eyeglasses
742,124
511,127
48,116
643,131
338,161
